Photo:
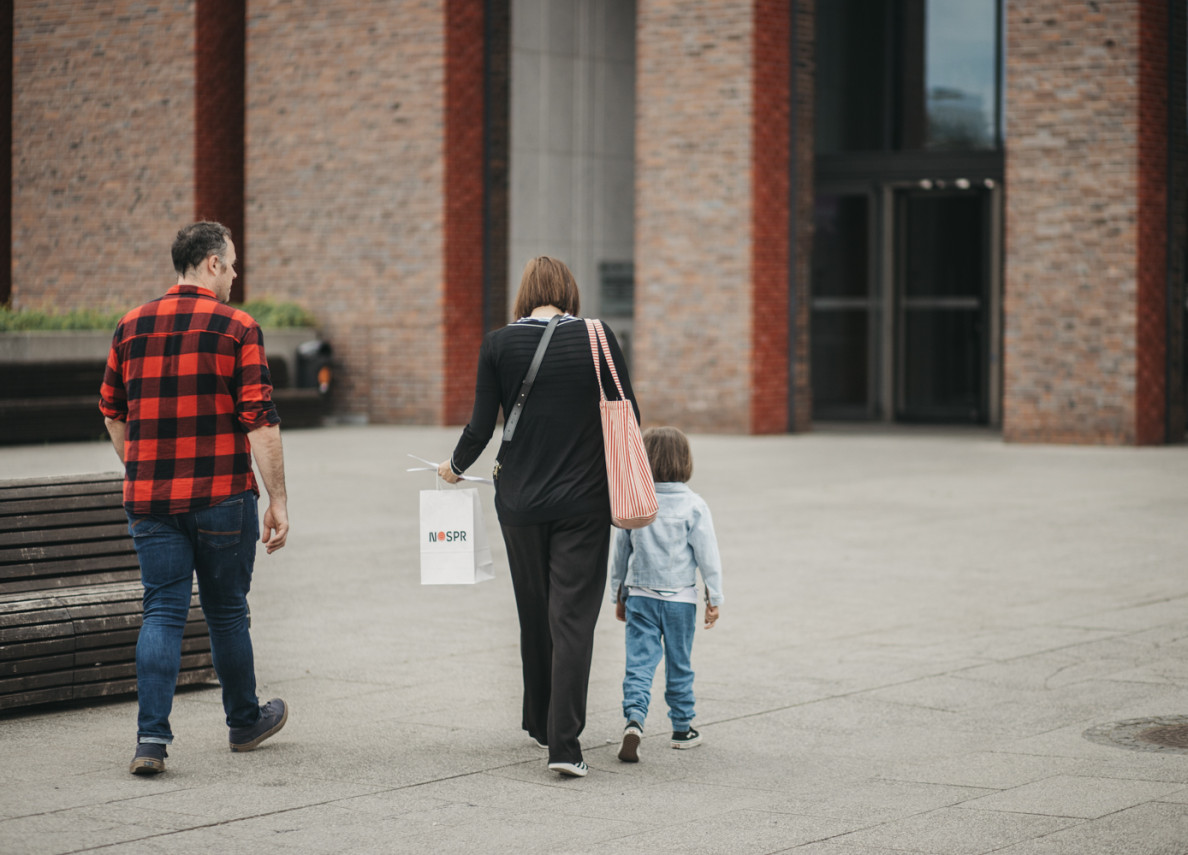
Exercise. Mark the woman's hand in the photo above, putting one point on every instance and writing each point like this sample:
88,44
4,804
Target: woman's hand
446,473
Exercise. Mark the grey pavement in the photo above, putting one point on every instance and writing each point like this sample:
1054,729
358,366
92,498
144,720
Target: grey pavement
919,628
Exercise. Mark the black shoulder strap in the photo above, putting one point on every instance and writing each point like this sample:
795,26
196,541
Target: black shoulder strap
509,428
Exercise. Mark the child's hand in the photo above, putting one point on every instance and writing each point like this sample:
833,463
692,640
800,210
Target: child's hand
621,611
711,616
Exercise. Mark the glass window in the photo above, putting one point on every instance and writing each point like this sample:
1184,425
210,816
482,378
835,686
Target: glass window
840,246
852,58
907,75
961,74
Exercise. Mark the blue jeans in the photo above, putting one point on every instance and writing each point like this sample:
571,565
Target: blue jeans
219,543
650,624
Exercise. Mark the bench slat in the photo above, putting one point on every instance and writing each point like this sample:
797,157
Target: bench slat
51,522
36,664
66,583
105,486
85,533
65,503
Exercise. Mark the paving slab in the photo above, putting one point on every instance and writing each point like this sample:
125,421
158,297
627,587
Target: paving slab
920,626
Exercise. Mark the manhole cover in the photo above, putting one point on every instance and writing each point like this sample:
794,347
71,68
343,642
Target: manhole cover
1168,733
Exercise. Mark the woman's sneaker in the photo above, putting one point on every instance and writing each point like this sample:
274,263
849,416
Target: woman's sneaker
629,750
685,738
572,770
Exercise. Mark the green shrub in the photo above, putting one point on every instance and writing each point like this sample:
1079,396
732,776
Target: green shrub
267,313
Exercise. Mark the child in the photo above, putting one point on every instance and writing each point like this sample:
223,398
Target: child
654,586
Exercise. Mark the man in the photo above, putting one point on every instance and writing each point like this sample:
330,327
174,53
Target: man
187,399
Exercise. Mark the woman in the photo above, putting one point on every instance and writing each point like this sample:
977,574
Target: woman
551,496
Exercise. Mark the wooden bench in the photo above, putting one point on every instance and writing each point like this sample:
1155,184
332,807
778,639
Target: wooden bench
70,594
58,401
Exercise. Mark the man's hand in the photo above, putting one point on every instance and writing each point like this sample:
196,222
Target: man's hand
270,460
711,616
275,525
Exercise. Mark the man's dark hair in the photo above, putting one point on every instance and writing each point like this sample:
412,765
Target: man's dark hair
196,242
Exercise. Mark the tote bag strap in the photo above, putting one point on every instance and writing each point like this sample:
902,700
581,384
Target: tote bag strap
598,343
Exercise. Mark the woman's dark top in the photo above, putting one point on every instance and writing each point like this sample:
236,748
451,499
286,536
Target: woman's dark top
554,467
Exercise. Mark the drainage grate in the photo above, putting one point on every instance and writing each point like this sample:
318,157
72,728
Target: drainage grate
1166,733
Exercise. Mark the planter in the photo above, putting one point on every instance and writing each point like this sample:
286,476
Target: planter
87,345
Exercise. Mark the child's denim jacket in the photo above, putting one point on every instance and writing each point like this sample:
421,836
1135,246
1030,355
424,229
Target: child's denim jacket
666,554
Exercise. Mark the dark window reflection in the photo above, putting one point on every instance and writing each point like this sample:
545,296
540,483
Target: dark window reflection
843,311
852,61
948,388
840,246
944,246
907,75
840,364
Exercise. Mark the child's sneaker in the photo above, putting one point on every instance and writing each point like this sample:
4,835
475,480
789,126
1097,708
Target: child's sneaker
685,738
632,734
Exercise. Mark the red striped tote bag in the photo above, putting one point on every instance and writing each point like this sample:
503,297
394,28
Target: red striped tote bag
632,493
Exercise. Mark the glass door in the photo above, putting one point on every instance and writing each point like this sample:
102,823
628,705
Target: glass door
845,307
942,298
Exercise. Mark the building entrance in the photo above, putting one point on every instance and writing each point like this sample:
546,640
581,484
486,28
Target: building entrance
904,306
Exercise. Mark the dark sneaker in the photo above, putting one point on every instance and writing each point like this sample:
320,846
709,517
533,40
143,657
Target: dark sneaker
149,759
629,750
685,738
572,770
273,716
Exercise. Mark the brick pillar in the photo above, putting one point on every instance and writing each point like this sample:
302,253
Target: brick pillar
1177,124
5,151
800,404
464,185
345,187
218,120
713,191
1086,222
102,149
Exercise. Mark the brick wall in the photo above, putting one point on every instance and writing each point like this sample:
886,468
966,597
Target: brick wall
102,151
1085,177
712,214
345,188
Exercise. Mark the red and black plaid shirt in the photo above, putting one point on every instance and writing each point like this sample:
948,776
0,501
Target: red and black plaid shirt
188,375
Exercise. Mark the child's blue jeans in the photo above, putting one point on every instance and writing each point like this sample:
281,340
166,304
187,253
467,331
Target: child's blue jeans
656,628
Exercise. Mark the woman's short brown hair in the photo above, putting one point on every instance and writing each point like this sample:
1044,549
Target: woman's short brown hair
669,454
546,282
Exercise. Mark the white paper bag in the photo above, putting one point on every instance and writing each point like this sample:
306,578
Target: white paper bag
454,548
